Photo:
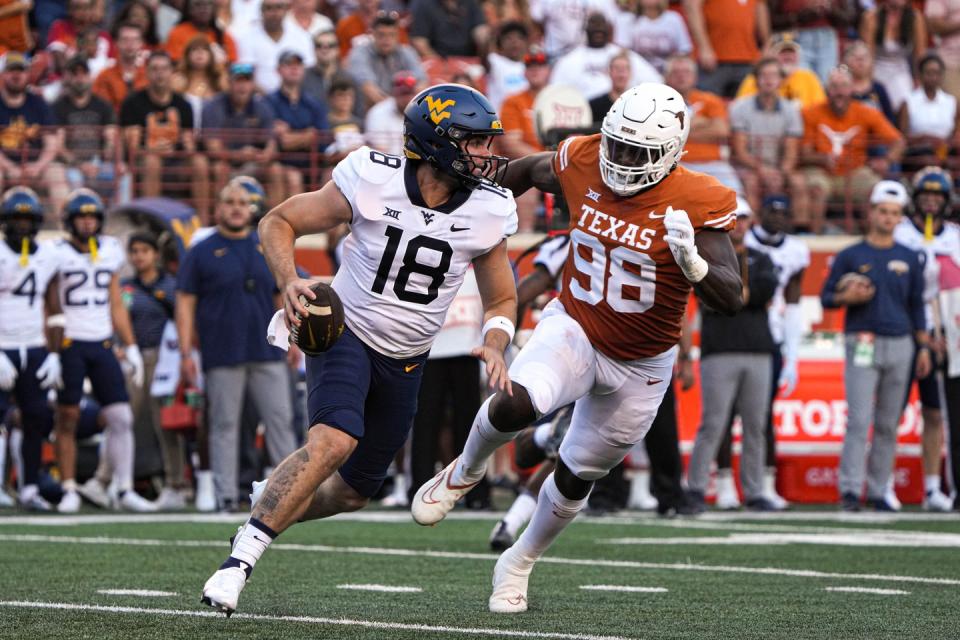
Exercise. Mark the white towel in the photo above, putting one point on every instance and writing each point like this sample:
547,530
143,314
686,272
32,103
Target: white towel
277,332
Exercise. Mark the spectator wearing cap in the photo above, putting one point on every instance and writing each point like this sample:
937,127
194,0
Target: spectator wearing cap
896,34
304,16
928,117
506,71
833,153
704,150
727,34
519,133
449,28
765,140
319,78
157,125
880,283
859,61
619,70
127,73
62,39
943,21
88,136
149,297
28,146
816,24
375,63
264,40
736,374
354,29
653,31
238,134
300,122
384,122
798,83
199,18
586,66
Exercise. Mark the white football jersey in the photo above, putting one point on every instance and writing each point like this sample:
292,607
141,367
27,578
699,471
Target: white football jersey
552,256
945,244
85,288
22,290
403,262
790,257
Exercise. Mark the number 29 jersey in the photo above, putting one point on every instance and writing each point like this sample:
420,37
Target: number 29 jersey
621,282
403,261
22,290
85,288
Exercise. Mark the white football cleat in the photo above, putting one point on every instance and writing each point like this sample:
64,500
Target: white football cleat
223,589
33,501
6,501
69,503
94,492
510,580
206,499
640,496
170,500
770,492
937,501
257,487
436,498
890,496
130,500
727,498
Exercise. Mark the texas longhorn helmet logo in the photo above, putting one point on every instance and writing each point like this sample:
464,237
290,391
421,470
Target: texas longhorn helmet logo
438,108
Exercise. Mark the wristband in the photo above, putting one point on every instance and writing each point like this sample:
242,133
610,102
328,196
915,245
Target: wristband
58,320
499,322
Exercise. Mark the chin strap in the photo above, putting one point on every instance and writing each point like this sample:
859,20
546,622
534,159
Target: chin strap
94,249
24,251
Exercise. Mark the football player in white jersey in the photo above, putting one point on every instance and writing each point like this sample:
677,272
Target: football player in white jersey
417,223
927,231
89,286
791,257
27,367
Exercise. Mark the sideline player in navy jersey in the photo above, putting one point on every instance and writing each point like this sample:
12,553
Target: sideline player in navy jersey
89,285
417,223
27,367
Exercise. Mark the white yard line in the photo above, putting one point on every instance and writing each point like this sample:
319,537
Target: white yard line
379,587
145,593
340,622
879,592
488,557
624,588
845,538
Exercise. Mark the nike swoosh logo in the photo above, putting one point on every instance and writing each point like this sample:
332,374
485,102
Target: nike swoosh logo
407,368
651,381
455,228
654,216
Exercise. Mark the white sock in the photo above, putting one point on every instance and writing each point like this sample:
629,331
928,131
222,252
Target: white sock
251,541
553,513
69,485
520,513
28,492
483,440
119,445
3,458
15,445
931,484
542,434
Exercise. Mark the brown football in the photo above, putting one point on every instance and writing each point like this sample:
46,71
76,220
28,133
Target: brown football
319,330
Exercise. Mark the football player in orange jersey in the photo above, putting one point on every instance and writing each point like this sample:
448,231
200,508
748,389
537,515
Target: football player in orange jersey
643,232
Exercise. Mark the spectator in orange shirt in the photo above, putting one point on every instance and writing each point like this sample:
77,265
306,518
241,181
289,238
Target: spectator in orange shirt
519,136
62,38
837,134
15,30
199,17
360,22
727,34
799,83
709,124
127,74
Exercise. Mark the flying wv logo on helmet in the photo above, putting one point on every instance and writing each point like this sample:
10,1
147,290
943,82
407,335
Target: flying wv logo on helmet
441,126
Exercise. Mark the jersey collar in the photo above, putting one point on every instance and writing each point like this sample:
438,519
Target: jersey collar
413,192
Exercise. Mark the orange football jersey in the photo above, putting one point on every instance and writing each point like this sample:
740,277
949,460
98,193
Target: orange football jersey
620,281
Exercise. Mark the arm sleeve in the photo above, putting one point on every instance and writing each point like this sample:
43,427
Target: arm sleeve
713,206
917,305
837,269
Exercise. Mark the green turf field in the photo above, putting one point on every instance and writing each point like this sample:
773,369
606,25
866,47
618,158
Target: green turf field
717,576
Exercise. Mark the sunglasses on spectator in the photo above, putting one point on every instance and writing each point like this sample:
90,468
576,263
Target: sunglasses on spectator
326,45
390,15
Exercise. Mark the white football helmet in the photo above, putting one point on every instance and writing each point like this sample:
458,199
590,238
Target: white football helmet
642,137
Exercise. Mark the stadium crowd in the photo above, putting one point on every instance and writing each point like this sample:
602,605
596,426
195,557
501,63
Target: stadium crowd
801,106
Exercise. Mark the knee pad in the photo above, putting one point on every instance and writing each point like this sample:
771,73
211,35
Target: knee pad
118,416
591,458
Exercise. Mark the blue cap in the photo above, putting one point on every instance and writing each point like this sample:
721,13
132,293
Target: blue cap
776,202
241,69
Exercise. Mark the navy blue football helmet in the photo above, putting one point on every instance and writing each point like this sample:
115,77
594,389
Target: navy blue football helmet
258,197
438,122
933,180
20,203
82,202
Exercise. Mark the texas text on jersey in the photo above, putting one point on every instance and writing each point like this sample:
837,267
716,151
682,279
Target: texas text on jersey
23,283
404,261
85,287
621,283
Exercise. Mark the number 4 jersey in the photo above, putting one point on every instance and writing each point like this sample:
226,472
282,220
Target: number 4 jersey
85,288
22,289
620,282
403,261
